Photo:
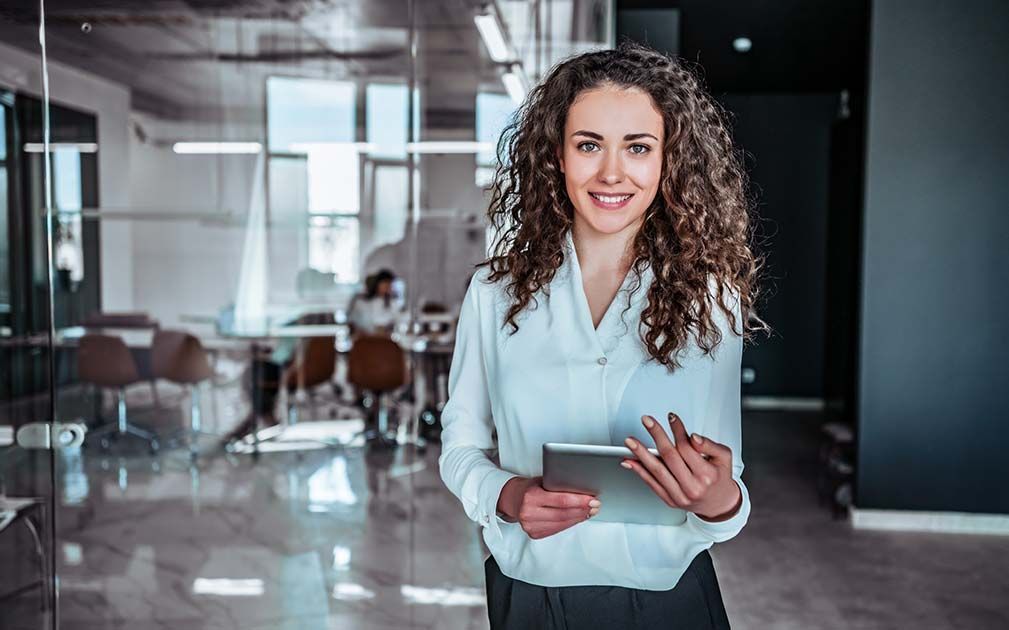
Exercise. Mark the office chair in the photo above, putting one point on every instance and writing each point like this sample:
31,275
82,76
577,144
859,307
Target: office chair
377,365
180,358
314,365
105,362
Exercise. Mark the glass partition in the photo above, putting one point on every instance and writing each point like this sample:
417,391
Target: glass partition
245,196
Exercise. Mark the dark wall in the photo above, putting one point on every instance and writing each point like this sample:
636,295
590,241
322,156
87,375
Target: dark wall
787,141
934,375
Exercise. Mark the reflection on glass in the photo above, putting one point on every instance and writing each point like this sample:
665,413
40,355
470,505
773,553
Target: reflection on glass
334,246
330,485
66,174
228,587
458,596
350,592
391,211
341,558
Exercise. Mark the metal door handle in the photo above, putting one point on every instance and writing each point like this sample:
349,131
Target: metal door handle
46,435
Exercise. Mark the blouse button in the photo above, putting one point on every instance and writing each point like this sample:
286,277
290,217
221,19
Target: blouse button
601,361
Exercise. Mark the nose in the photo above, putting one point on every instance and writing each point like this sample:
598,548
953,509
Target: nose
611,170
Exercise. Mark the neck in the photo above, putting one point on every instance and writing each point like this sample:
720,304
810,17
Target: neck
603,253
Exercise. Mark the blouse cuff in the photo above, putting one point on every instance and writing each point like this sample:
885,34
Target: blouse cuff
721,531
489,493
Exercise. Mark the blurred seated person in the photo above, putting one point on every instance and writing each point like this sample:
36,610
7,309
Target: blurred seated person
376,311
261,380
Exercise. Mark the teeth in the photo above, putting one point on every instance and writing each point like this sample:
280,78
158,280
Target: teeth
609,199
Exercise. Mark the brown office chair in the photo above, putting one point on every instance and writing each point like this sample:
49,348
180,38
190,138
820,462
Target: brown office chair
378,366
179,357
106,362
314,365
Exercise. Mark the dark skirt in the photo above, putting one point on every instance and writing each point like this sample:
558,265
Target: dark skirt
695,603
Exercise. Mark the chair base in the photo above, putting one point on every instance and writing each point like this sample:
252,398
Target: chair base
115,430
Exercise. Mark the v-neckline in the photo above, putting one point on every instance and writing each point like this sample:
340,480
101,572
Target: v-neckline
583,298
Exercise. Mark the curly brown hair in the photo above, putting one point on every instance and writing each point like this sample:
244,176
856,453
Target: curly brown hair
698,227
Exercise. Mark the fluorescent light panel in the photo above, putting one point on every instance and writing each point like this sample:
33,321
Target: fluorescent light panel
190,148
448,147
305,147
515,86
83,147
492,36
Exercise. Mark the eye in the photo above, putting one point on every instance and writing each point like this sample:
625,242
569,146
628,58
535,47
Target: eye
640,149
588,147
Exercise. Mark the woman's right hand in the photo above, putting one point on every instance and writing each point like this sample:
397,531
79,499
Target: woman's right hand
540,512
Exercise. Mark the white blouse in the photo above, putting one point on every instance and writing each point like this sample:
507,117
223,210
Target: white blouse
558,379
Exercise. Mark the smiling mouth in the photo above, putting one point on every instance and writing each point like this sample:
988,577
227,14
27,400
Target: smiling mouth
611,198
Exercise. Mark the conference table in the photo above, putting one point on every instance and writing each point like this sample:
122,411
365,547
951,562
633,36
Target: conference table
419,346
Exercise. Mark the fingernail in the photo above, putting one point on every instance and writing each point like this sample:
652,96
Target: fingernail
645,420
626,465
697,439
593,512
594,503
631,444
672,417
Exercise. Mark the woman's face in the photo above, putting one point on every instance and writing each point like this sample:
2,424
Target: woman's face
612,158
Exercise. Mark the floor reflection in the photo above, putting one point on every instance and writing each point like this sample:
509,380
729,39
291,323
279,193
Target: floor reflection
323,538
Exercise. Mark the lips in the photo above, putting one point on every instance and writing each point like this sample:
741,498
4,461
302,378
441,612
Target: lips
610,201
616,199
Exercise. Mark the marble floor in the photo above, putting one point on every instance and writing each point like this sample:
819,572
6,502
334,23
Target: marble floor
346,538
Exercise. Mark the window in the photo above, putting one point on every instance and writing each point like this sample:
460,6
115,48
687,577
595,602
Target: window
314,169
493,113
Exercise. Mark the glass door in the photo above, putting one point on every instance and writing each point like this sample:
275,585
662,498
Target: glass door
28,433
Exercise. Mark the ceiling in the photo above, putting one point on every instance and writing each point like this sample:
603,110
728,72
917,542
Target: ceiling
195,59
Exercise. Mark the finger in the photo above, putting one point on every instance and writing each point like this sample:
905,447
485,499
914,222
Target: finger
719,453
657,432
694,459
538,531
673,497
668,470
552,515
546,498
674,483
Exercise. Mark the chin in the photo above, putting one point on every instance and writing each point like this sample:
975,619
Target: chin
610,222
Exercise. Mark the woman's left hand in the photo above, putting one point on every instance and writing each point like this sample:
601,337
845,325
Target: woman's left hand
694,475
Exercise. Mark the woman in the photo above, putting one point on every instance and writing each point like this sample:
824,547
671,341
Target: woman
618,293
376,311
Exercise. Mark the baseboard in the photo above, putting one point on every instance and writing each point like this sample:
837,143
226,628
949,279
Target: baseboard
937,522
782,403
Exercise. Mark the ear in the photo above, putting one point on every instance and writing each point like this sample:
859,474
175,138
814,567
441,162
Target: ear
560,158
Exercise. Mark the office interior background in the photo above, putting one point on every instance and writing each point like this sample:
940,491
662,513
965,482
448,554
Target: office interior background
195,194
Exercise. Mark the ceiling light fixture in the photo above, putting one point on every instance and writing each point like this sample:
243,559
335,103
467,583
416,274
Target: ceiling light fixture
515,84
742,44
81,147
202,148
448,147
493,36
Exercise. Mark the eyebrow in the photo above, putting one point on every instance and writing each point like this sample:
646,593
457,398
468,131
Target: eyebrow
627,138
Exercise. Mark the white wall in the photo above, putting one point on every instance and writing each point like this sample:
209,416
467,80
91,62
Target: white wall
110,102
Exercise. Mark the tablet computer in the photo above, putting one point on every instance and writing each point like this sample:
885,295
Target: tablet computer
596,470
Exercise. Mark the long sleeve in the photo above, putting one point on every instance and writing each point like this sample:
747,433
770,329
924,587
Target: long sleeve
724,425
467,437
